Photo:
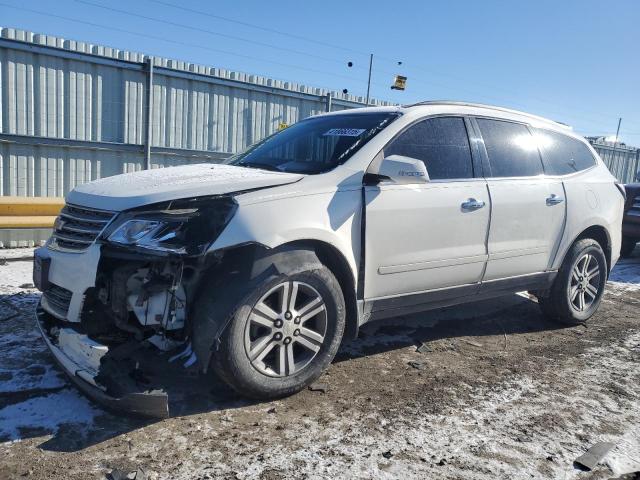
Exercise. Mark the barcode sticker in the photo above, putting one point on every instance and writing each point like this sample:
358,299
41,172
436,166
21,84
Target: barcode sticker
345,132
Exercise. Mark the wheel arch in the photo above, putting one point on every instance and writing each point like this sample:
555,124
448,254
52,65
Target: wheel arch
601,235
243,264
557,302
335,261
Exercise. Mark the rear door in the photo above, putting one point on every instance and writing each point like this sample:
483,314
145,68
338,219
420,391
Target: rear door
528,208
422,237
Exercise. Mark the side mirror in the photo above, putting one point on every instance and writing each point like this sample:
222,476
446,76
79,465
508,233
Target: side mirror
403,170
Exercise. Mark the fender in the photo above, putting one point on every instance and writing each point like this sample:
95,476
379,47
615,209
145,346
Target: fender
207,327
332,217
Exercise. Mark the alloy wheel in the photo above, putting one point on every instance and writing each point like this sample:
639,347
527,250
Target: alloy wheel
585,283
286,329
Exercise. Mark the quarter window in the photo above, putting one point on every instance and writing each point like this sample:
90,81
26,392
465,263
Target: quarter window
441,143
511,148
561,154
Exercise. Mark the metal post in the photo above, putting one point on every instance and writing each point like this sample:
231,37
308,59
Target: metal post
618,131
147,142
369,81
328,101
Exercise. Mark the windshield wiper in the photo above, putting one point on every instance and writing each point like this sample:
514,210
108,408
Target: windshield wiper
261,166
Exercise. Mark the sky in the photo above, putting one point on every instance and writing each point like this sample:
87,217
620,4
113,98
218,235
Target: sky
574,61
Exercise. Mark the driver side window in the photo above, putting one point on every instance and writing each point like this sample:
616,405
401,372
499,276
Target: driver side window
441,143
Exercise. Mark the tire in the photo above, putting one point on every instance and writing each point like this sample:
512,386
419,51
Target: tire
562,302
628,246
275,375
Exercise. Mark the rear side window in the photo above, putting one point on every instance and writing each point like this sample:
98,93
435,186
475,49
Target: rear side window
441,143
511,148
561,154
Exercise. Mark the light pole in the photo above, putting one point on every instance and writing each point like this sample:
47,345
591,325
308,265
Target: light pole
618,131
350,64
369,80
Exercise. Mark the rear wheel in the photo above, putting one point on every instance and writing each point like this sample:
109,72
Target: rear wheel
628,246
283,334
578,288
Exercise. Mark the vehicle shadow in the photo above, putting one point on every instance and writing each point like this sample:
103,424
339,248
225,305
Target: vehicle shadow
37,400
504,316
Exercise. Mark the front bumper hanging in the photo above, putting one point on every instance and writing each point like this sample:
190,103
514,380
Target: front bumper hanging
148,402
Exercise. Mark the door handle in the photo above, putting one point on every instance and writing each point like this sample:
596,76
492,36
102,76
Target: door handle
554,200
472,204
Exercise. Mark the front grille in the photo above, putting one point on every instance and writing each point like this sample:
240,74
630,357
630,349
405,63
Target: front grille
58,298
78,227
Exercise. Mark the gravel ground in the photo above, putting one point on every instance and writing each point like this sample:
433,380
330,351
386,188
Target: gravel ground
498,392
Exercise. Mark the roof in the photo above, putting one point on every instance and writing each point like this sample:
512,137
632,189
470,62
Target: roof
488,107
512,114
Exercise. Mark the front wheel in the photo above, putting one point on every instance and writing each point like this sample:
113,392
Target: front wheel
283,334
578,288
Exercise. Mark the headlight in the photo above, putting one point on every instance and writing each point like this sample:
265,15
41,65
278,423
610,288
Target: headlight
181,227
140,232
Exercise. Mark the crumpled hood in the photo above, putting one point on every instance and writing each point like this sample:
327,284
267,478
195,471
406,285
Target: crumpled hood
130,190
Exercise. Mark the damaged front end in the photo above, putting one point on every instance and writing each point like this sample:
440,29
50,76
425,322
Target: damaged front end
116,311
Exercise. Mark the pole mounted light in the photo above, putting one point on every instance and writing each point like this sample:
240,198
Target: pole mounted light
399,82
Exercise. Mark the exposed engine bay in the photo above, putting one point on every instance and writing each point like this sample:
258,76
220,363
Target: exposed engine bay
148,301
134,334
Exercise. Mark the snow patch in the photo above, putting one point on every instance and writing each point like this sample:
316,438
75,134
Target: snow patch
47,413
16,253
625,457
148,186
179,175
14,274
34,377
625,276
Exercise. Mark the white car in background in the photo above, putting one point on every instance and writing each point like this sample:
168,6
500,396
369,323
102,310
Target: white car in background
260,267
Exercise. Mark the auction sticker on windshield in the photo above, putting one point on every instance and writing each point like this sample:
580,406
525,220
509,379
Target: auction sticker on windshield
345,132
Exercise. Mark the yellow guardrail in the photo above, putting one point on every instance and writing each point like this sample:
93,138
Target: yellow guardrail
29,212
45,221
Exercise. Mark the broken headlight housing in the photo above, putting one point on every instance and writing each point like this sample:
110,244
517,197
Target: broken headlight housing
184,227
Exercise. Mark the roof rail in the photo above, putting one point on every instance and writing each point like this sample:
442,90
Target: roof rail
491,107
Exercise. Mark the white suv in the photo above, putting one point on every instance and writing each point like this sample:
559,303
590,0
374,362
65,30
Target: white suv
260,267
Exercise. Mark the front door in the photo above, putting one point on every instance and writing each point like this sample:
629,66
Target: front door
428,236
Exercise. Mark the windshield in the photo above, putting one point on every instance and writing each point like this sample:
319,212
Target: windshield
314,145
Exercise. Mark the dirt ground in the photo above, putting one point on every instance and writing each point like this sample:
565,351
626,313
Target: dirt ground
496,392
